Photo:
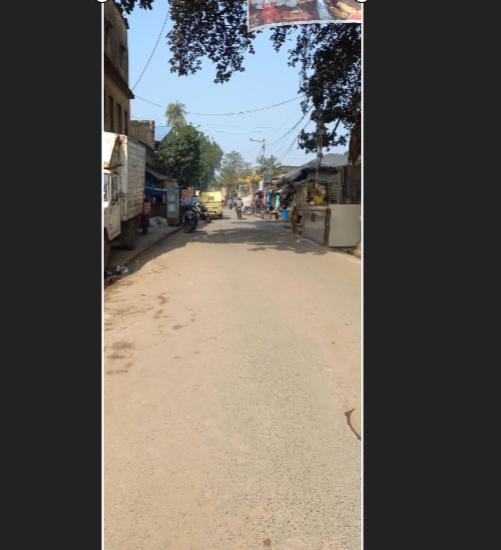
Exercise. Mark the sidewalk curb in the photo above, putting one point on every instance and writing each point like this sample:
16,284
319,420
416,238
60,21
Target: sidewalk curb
151,243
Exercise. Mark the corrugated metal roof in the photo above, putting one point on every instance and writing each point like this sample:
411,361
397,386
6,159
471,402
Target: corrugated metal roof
160,177
329,161
162,131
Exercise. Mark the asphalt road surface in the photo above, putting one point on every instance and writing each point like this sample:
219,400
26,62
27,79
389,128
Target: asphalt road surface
232,390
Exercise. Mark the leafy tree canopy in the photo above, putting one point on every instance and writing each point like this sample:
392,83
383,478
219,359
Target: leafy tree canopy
210,161
233,169
191,157
328,56
181,155
271,165
175,114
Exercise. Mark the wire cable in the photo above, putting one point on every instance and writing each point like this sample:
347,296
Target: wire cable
241,126
245,112
153,52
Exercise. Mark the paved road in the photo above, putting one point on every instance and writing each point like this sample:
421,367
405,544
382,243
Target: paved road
227,401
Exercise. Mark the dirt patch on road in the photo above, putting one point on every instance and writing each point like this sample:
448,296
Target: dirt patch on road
122,345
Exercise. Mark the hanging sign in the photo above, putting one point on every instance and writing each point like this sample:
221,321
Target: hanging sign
266,13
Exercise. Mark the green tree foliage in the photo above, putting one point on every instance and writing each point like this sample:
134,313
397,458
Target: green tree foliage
128,5
191,157
181,155
232,169
271,165
175,114
210,161
328,56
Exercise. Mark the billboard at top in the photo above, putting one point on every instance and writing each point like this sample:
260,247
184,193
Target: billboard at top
267,13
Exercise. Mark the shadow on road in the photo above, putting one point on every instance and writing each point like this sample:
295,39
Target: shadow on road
261,235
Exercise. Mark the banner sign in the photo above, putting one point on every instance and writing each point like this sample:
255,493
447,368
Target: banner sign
263,14
186,197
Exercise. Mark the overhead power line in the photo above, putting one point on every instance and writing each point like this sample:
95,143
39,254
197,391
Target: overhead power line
241,126
145,67
245,112
224,114
292,129
153,52
247,131
147,101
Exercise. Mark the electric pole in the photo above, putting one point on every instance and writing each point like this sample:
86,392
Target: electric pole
318,117
264,158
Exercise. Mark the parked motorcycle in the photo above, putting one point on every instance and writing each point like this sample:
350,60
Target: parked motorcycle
190,219
203,213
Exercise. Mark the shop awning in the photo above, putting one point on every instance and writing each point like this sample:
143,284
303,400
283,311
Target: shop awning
152,192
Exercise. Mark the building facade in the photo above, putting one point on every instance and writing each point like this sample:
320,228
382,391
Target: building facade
117,94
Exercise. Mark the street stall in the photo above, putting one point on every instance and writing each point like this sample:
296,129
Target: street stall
258,202
155,181
270,203
304,186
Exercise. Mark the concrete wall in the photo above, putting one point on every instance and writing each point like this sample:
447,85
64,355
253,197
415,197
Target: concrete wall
345,226
115,39
151,160
143,130
119,120
116,104
159,209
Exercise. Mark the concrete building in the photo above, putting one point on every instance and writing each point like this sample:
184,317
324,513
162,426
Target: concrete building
152,137
117,94
144,131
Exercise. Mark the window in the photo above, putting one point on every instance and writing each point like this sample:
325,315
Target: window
112,115
126,123
106,188
119,118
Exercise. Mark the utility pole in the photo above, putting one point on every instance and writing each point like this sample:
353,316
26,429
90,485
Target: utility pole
264,158
318,117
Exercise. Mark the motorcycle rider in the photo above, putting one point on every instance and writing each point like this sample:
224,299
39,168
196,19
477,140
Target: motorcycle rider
238,204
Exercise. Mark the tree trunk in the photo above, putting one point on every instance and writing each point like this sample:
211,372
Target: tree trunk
356,140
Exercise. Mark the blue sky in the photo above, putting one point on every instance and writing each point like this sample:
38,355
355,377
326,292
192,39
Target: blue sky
266,81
